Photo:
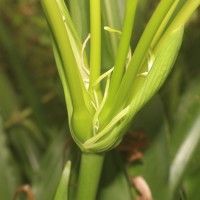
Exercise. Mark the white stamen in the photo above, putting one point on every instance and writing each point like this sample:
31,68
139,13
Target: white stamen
82,53
151,60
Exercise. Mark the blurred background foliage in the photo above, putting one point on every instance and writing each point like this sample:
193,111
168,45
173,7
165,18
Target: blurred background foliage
163,142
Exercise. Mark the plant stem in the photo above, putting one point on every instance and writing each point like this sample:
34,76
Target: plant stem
164,24
181,18
95,41
122,52
60,35
142,49
89,176
113,19
185,13
136,61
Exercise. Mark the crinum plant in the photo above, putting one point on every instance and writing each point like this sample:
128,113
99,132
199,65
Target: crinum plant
101,104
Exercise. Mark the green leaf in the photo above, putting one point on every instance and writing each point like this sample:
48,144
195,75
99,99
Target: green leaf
154,167
79,11
46,180
112,16
75,41
59,24
62,191
192,181
65,46
24,142
165,57
9,102
26,149
9,174
24,80
185,135
144,89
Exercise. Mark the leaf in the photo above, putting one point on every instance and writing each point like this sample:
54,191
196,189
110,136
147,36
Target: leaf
22,140
9,102
154,167
9,174
64,82
171,89
74,40
24,80
165,56
192,181
62,191
46,180
112,16
185,138
79,11
143,91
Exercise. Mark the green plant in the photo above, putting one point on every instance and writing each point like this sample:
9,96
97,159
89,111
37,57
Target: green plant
110,75
99,116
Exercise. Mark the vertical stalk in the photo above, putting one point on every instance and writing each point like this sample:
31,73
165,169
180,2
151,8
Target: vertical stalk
164,24
113,19
136,61
122,52
81,118
60,35
89,175
124,46
95,42
186,11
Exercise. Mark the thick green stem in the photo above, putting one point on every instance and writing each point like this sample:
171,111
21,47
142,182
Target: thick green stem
81,121
60,35
89,176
